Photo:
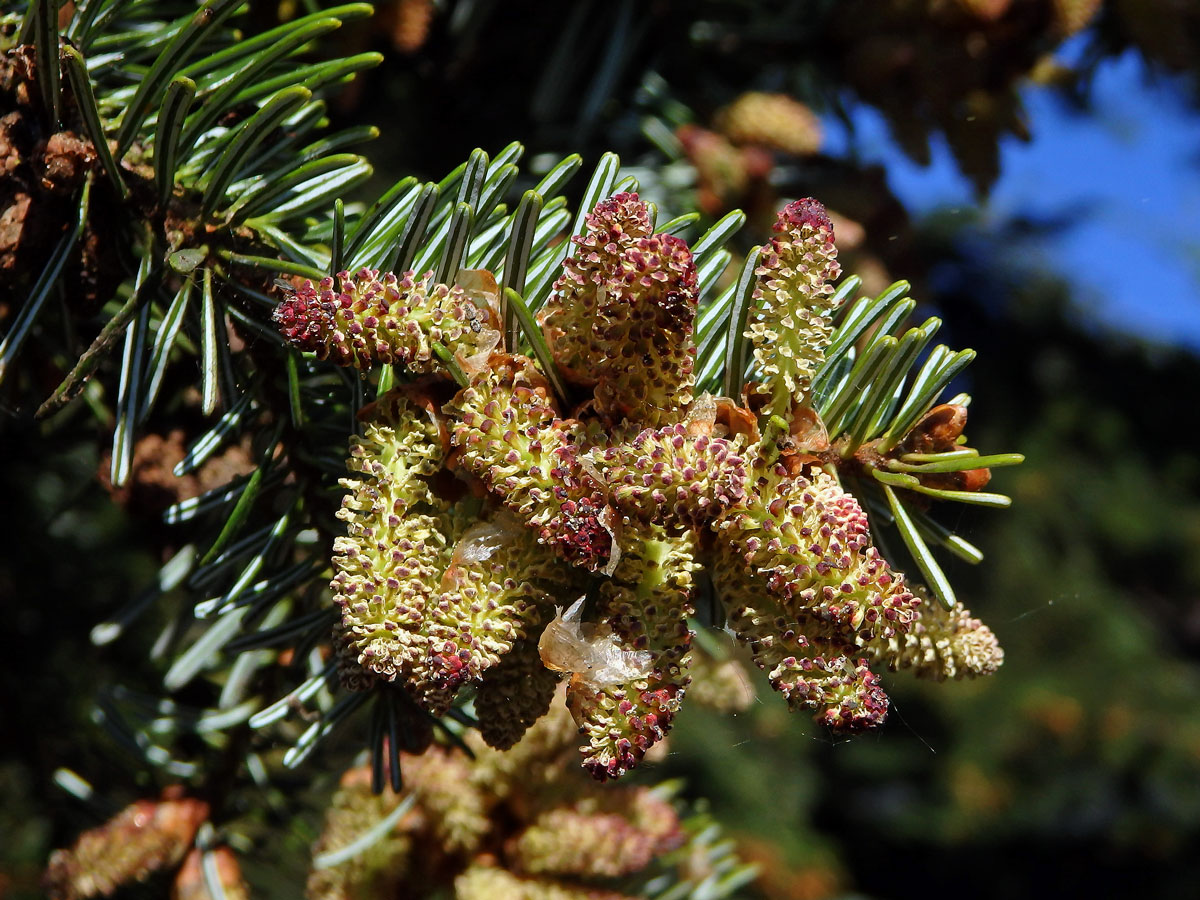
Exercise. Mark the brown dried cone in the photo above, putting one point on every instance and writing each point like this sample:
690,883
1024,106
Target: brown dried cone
146,837
152,485
939,431
41,173
190,883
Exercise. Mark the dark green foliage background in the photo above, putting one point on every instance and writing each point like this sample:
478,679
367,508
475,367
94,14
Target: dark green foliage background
1075,771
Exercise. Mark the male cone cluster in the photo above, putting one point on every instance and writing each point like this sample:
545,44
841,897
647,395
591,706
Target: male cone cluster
622,498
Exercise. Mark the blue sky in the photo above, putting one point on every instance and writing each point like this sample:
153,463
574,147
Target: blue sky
1134,167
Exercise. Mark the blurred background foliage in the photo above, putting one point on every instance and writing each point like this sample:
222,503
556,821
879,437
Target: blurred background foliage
1075,770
